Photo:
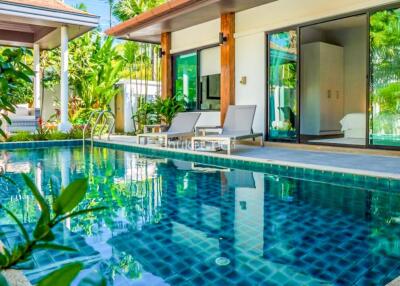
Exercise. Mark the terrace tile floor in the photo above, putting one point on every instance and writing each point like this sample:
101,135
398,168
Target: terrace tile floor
386,164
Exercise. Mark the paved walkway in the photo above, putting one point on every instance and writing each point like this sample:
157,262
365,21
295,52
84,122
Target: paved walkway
326,160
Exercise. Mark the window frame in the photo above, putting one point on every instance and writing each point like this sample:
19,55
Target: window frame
198,90
298,27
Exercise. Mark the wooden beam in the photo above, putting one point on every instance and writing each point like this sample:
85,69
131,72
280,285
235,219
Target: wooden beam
227,63
166,66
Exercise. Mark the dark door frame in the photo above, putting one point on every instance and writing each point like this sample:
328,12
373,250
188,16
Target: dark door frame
267,118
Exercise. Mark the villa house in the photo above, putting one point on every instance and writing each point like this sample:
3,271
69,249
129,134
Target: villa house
320,72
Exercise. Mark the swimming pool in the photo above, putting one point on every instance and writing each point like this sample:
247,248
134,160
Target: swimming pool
186,223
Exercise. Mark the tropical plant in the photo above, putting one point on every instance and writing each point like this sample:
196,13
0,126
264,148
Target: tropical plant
13,72
111,7
47,135
146,114
142,59
167,108
385,46
97,69
20,136
126,9
61,208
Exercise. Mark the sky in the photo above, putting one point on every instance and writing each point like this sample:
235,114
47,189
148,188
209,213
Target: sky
96,7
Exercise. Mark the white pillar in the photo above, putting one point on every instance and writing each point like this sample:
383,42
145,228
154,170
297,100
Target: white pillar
36,82
65,125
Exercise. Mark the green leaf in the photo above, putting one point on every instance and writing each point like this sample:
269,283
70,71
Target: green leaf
3,280
19,223
71,196
42,228
63,276
44,233
53,246
4,259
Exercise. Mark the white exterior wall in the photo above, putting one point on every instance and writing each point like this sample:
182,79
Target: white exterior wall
251,26
250,63
131,97
196,36
285,13
51,101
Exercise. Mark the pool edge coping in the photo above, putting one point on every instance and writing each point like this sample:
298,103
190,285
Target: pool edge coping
359,172
81,142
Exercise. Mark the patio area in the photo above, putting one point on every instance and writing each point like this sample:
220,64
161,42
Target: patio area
379,163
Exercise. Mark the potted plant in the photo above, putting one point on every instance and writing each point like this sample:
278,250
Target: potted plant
168,108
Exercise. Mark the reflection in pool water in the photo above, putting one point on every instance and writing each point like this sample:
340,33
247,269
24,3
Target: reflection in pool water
182,223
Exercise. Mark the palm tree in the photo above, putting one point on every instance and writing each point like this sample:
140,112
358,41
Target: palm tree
111,7
143,55
126,9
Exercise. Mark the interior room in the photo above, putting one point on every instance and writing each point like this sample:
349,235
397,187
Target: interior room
333,82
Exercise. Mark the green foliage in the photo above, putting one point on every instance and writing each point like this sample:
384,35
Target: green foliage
168,108
3,281
63,276
58,135
186,65
70,197
24,93
126,9
385,67
21,136
388,98
145,114
97,67
13,72
155,112
42,238
46,135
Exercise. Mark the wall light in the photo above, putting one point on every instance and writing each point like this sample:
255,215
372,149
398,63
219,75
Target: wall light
222,38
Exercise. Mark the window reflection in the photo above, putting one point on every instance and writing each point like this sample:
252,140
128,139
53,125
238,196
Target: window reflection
385,78
186,79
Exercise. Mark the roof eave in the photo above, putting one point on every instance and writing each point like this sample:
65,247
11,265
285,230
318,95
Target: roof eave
161,12
46,14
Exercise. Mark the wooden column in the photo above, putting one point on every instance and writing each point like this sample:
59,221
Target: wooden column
227,63
166,66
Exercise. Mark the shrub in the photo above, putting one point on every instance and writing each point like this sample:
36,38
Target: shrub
21,136
56,135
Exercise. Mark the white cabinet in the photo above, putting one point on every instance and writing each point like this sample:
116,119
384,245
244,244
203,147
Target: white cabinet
322,88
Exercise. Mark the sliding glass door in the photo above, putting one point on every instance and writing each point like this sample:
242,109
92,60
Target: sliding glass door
185,84
282,86
384,121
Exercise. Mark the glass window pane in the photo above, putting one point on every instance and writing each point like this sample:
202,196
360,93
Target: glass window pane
186,79
385,78
210,79
282,85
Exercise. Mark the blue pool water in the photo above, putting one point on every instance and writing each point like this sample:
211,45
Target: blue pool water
172,222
